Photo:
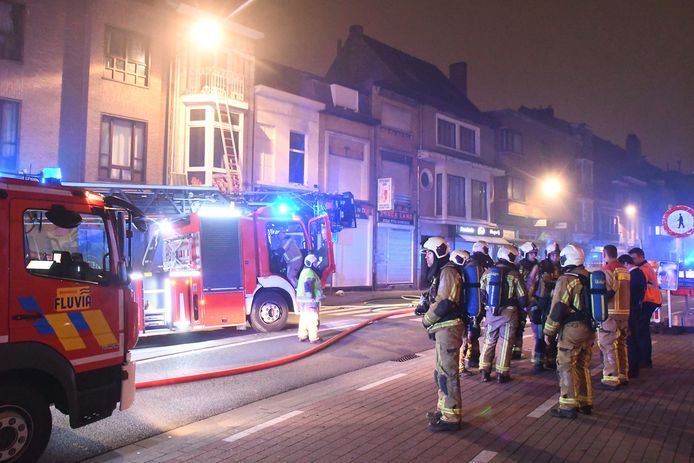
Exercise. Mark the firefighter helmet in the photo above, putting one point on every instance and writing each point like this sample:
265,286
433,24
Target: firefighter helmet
572,254
507,252
552,246
437,245
311,260
459,257
528,247
481,246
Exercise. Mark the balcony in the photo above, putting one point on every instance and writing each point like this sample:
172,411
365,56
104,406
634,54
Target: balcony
216,81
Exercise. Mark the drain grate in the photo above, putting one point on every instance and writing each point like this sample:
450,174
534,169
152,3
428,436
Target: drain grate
406,357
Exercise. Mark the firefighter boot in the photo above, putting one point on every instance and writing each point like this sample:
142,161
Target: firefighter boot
562,413
586,409
501,379
486,377
443,426
434,416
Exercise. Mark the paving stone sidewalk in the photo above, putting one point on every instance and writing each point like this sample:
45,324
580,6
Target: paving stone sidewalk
377,414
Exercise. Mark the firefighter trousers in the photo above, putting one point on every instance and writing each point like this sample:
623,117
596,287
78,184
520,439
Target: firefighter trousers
612,340
308,321
470,352
448,342
573,365
503,325
543,354
520,328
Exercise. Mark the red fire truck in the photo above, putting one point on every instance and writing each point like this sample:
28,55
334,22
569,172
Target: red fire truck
211,260
67,316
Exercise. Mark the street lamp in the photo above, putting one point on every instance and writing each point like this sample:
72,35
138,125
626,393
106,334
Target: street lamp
207,33
551,187
630,211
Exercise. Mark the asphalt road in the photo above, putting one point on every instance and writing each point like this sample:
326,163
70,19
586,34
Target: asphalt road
158,410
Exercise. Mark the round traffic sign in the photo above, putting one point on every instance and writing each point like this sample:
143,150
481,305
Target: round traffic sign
678,221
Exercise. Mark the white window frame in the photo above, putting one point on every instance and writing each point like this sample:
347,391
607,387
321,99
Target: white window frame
458,125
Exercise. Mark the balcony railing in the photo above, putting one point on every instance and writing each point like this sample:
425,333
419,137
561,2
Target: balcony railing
216,81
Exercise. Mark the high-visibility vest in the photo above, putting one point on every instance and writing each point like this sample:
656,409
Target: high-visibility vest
652,288
621,299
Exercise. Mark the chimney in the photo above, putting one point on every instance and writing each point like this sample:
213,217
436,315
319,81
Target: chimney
457,74
633,145
356,31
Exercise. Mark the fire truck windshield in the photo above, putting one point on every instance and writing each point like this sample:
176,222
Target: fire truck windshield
78,253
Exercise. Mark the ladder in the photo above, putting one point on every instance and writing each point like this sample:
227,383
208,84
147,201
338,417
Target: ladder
231,157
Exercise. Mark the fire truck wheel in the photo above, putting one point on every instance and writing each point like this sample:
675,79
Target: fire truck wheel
270,312
25,424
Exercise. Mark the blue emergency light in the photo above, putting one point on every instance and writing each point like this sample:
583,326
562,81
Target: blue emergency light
283,207
51,175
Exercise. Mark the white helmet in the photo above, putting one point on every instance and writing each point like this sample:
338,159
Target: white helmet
459,257
437,245
311,260
527,247
481,246
572,254
507,252
552,246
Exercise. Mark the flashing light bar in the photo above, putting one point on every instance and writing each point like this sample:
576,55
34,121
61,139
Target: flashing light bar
51,175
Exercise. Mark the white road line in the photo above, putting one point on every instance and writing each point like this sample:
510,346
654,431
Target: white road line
542,409
416,319
242,343
484,456
383,381
260,427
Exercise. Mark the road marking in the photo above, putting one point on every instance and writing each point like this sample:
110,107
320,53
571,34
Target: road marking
260,427
416,319
484,456
402,315
235,344
383,381
542,409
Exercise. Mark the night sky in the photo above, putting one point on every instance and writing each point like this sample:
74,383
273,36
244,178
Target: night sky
619,66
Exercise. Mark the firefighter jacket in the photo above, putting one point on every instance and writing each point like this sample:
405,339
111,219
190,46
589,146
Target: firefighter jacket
530,272
513,291
308,289
443,296
567,303
652,288
292,253
549,274
617,279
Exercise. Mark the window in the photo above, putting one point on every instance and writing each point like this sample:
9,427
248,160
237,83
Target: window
439,194
297,153
9,135
510,140
396,117
456,196
479,199
127,57
516,189
122,150
445,132
11,30
77,253
456,135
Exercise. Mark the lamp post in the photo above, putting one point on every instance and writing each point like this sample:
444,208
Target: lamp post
551,187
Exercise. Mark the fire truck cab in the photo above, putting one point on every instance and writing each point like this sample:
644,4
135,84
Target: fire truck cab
219,267
67,316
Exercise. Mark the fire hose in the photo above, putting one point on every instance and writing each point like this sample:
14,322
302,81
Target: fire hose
270,363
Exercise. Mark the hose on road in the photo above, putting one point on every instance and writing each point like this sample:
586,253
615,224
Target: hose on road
270,363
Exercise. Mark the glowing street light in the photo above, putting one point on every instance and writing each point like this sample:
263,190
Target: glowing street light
630,210
551,187
207,33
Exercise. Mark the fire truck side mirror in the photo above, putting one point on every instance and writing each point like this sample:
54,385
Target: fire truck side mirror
62,217
122,270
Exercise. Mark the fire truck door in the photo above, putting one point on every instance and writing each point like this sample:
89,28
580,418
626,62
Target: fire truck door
321,244
61,264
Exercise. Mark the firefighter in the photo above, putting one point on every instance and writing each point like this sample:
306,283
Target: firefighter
504,292
443,322
308,297
545,355
530,271
291,254
612,335
651,302
460,258
569,318
478,262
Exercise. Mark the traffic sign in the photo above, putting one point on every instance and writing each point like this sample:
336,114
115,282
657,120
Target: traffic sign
678,221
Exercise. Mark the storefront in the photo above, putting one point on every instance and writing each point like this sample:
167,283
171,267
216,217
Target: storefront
353,252
395,248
